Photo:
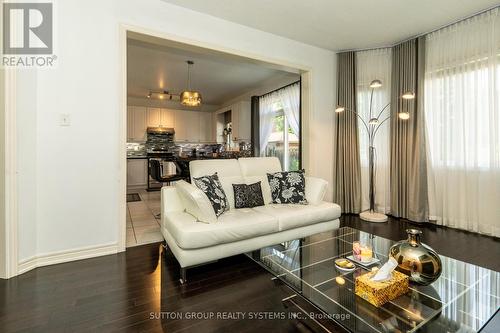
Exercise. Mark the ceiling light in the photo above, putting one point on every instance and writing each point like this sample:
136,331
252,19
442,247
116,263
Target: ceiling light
404,115
376,84
339,109
190,97
408,95
161,94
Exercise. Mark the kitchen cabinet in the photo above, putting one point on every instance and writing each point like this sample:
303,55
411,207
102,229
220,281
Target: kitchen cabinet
158,117
192,121
241,121
167,118
137,172
206,122
187,126
154,117
180,125
219,123
130,123
136,123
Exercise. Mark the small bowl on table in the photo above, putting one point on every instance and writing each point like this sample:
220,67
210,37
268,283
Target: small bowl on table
344,265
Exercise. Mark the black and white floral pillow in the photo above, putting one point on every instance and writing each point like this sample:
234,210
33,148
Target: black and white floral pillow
211,186
248,196
288,187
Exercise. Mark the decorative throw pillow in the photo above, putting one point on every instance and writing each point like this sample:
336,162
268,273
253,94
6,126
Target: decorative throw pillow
288,187
248,196
211,186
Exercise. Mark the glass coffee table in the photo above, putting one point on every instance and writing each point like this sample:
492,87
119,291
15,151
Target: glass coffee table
463,299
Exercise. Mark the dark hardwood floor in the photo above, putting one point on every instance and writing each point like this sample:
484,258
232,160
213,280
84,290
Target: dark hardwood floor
128,292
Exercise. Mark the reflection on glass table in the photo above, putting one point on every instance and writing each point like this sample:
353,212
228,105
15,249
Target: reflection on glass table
462,299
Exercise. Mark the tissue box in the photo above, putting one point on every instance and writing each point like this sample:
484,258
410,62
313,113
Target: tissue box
379,293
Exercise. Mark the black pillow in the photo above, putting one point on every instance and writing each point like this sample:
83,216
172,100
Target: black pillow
211,186
288,187
248,196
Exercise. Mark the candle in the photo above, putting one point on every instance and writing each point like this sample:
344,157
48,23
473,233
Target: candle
366,253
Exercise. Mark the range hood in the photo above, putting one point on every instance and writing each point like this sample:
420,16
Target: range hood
160,130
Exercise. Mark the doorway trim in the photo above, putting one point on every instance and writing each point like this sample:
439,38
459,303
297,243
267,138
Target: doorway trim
306,84
9,173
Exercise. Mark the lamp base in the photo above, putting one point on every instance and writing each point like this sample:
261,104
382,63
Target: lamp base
373,216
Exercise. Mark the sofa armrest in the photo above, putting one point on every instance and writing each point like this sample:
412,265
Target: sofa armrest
170,200
315,190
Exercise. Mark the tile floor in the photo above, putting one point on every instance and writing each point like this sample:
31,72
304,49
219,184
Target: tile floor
142,226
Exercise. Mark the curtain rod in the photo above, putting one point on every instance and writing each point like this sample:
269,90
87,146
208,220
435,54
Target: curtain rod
422,34
275,90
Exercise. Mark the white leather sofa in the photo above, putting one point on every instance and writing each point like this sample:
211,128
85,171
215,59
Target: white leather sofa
241,230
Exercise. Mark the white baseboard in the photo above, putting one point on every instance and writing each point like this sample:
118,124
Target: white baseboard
66,256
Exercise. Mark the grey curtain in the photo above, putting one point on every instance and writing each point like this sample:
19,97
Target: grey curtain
408,175
255,131
347,174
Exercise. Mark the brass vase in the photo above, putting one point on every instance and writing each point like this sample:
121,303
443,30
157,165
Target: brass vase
415,259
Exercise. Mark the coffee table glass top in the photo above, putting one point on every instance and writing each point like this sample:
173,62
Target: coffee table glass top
463,299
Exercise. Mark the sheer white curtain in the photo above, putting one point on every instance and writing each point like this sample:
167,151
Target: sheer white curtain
462,111
266,116
371,65
290,101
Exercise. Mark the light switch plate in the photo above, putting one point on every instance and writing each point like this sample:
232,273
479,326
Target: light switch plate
64,119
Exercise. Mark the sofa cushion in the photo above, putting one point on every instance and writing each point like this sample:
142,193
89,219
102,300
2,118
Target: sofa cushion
234,225
195,202
259,166
315,190
294,215
255,169
248,196
227,185
211,186
228,171
288,187
223,167
264,185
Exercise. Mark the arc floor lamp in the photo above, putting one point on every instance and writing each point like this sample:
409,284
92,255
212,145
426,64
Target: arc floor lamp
372,126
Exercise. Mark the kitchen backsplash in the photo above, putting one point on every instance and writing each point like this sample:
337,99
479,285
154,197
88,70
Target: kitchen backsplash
139,148
200,148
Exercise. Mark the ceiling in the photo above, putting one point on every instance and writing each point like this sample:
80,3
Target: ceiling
341,24
152,66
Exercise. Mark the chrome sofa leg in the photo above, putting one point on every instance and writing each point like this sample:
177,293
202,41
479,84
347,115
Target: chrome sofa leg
183,279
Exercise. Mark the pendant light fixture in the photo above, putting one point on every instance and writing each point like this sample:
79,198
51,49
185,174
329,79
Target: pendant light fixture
190,97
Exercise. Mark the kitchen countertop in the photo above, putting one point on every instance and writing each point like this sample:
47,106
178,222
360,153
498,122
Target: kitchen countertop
137,157
176,158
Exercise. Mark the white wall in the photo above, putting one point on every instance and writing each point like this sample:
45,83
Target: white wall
264,87
69,176
3,249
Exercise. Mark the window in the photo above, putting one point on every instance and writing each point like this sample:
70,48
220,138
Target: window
462,117
283,142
